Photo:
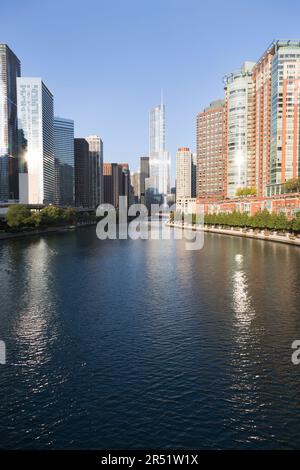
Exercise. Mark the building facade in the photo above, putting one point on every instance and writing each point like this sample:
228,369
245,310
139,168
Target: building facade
240,130
211,152
111,181
186,205
261,127
64,161
135,181
10,69
288,204
82,173
116,183
262,73
276,76
35,123
158,183
194,174
124,181
144,175
184,173
285,128
96,169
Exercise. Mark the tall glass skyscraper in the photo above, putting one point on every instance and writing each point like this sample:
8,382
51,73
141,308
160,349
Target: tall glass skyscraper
158,184
35,123
10,69
240,149
64,161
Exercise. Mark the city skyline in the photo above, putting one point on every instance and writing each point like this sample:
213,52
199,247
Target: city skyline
260,154
105,96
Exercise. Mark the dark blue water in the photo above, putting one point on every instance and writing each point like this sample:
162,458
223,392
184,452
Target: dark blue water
142,344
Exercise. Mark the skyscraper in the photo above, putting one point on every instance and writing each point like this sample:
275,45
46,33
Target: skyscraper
240,143
82,173
64,161
10,69
194,174
108,183
116,182
135,181
35,122
262,73
124,180
211,153
285,105
96,169
184,173
158,183
144,174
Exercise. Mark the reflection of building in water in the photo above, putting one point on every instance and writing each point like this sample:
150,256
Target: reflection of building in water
64,161
241,299
35,328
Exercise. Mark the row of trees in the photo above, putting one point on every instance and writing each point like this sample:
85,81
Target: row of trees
261,220
20,217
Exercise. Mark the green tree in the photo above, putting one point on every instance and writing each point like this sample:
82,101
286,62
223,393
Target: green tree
280,222
295,223
18,216
69,215
36,219
292,185
246,191
51,215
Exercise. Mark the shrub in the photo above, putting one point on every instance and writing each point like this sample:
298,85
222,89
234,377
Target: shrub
245,192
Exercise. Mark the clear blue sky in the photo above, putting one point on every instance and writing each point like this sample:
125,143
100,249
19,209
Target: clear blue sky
106,60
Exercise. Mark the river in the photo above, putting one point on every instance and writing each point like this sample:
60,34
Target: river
128,344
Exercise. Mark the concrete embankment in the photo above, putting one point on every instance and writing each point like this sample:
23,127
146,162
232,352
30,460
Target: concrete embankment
288,238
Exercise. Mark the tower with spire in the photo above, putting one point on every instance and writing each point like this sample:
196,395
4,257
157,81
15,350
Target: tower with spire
158,184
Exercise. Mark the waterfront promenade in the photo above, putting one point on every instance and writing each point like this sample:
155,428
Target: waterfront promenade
266,235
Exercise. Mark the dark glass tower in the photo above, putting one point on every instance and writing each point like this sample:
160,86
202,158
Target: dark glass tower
64,161
10,69
82,173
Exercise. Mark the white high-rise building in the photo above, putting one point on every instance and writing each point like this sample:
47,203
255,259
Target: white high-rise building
158,183
35,123
184,161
